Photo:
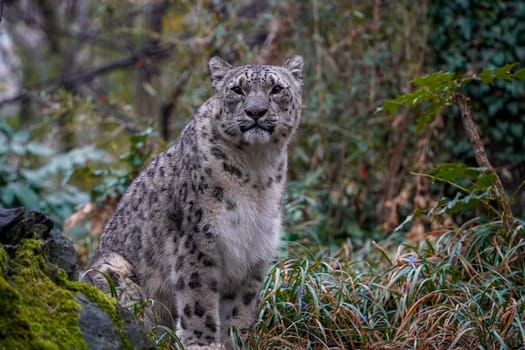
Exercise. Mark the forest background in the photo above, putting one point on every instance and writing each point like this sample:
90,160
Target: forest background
90,90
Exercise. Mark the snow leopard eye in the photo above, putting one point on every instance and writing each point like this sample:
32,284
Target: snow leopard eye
237,90
276,89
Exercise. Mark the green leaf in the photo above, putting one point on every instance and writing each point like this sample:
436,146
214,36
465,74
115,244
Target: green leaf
484,181
520,74
390,106
438,80
461,203
450,172
425,118
487,76
504,72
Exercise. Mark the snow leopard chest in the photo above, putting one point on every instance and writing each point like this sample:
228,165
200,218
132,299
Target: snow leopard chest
248,234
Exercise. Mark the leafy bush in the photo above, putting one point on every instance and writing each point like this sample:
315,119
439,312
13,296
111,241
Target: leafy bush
45,187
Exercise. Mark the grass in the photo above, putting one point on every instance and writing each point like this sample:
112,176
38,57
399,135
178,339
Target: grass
462,290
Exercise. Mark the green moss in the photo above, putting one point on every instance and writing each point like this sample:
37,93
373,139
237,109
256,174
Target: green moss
3,261
35,312
106,304
38,311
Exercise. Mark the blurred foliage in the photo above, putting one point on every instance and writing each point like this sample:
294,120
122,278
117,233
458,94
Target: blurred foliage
469,36
114,181
95,75
34,176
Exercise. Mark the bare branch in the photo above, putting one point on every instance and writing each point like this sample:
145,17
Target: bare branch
168,107
471,130
158,51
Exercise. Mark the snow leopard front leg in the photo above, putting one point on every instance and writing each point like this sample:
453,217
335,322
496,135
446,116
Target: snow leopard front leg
197,293
238,307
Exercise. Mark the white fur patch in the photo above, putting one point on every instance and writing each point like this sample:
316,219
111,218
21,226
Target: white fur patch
249,234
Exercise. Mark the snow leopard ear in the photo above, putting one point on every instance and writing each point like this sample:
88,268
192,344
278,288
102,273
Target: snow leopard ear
218,69
295,66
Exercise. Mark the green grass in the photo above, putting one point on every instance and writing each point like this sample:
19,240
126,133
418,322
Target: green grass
465,289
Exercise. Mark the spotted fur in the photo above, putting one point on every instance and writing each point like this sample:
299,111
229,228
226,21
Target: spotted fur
195,232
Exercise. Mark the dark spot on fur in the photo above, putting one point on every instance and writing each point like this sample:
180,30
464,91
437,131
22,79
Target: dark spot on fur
198,215
187,310
214,286
210,324
150,172
189,242
218,193
230,205
229,296
177,216
209,339
232,169
183,192
198,334
183,323
180,283
208,171
248,297
235,311
208,262
195,280
218,153
199,309
180,262
134,278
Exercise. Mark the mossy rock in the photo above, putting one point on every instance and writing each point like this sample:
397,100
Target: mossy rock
40,308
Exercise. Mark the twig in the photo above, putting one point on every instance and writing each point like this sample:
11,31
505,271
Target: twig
160,50
167,108
479,152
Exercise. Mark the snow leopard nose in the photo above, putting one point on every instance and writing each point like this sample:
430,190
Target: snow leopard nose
255,112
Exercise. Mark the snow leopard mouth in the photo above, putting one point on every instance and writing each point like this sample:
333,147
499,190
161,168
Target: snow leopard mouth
256,126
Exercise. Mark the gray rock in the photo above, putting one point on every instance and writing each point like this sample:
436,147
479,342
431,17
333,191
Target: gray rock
17,224
100,333
97,327
61,252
